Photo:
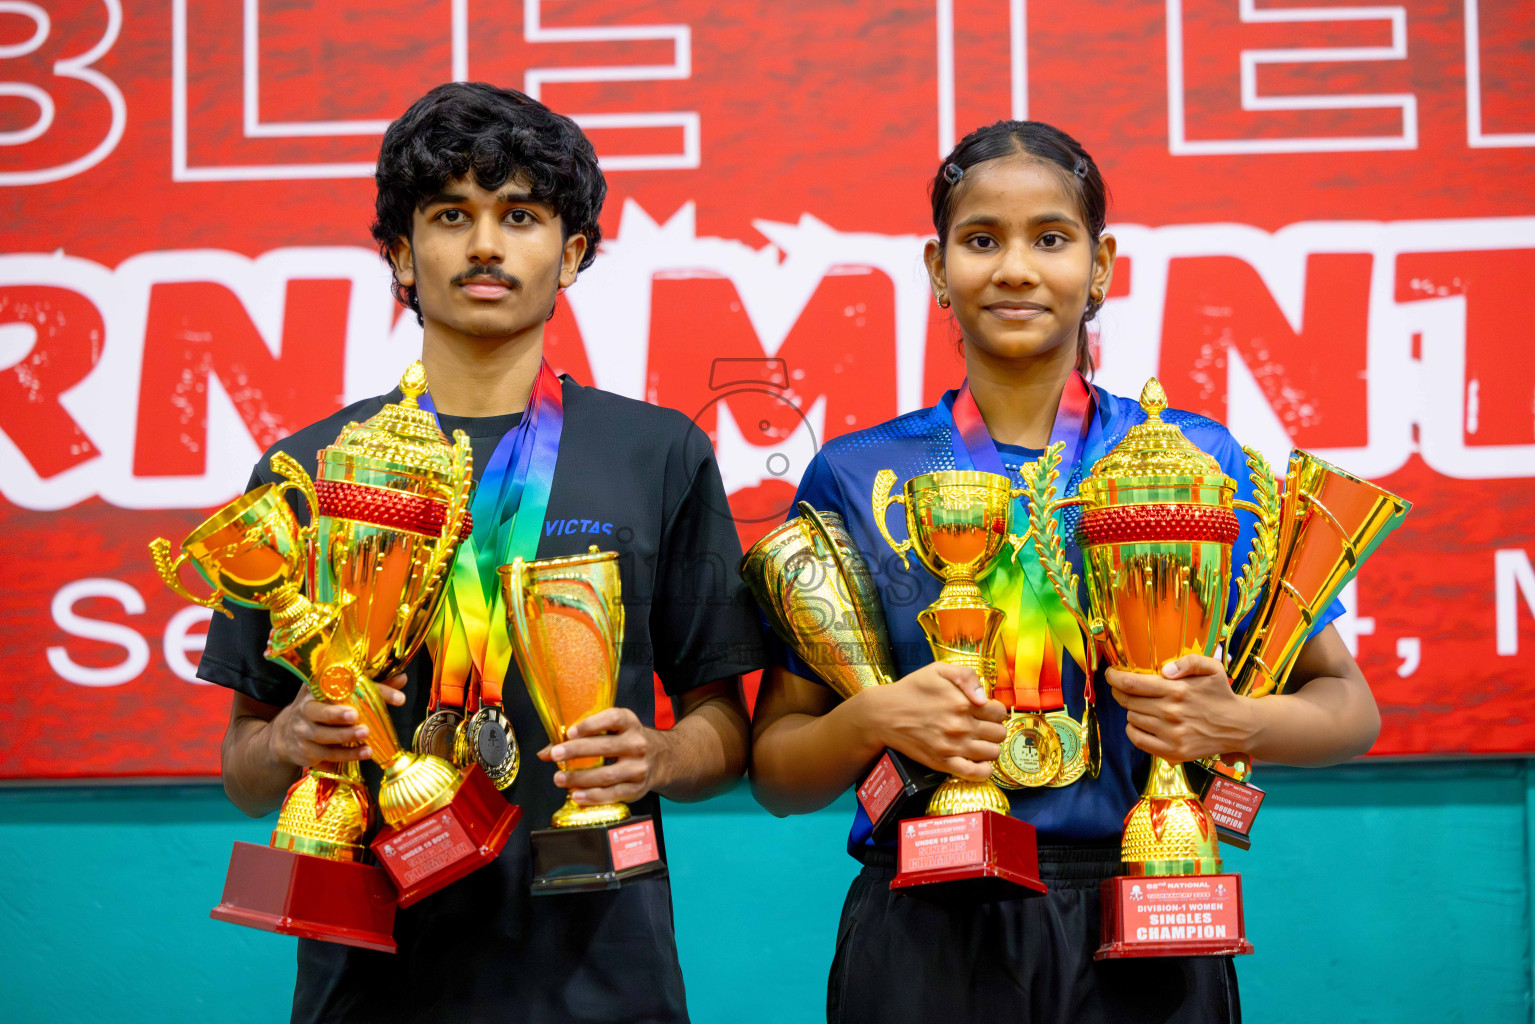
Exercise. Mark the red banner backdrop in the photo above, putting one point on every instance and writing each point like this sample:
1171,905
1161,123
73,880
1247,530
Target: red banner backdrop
1324,216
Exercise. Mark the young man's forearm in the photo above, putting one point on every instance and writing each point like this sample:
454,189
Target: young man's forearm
254,780
706,751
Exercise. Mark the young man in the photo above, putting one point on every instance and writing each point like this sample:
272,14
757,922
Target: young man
487,208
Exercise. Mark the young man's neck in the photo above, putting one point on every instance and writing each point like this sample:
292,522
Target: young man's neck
481,376
1018,398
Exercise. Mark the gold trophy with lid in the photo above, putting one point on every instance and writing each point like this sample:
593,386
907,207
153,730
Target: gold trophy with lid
350,598
957,522
1157,530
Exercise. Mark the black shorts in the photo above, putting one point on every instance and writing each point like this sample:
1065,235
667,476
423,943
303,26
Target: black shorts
904,959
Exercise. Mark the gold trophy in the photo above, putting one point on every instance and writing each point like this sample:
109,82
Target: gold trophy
817,594
1328,523
567,626
254,553
1157,533
957,522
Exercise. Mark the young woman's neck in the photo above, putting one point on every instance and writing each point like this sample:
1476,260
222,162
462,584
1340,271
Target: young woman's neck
481,376
1018,398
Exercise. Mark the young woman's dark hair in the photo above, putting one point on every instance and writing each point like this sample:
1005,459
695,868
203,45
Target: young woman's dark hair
1052,147
495,134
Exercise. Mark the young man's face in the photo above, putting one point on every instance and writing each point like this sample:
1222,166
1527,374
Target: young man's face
486,263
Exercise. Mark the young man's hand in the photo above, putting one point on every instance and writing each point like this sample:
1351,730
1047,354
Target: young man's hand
308,731
636,756
1187,712
939,715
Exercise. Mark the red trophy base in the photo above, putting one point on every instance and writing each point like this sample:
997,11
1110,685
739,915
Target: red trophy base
1172,915
979,856
311,897
448,844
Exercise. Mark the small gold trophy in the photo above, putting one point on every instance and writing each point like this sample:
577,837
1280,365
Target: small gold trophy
957,522
1157,534
567,625
1329,522
817,593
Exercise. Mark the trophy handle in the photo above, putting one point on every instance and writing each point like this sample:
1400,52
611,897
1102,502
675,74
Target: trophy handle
1260,559
883,499
1040,485
296,479
170,571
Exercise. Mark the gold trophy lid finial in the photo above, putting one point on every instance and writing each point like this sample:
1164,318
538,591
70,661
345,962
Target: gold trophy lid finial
413,383
401,432
1155,447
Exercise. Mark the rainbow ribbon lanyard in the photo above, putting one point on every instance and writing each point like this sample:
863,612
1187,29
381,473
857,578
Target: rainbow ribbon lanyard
1042,630
470,636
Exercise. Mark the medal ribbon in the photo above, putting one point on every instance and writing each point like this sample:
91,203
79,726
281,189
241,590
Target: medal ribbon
1037,636
470,638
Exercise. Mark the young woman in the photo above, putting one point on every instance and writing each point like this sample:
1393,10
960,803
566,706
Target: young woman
1022,261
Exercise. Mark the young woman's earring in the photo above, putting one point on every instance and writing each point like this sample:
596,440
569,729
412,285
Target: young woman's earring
943,302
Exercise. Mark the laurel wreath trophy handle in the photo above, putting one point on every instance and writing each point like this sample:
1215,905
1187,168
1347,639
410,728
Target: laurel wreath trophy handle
169,569
1043,504
1261,557
883,499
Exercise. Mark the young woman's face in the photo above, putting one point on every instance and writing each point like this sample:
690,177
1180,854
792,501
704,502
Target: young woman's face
1019,263
487,263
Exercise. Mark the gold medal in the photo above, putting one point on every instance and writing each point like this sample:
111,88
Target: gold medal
435,735
1073,748
492,745
1031,751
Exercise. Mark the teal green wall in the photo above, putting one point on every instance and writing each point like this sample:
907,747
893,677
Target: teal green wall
1375,893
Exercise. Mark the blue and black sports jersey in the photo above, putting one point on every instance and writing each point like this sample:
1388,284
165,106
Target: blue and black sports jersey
841,479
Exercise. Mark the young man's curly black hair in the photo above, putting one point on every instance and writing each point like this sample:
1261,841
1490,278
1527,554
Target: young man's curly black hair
495,134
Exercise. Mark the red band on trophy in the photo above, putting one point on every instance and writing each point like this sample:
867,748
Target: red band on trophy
379,506
1126,524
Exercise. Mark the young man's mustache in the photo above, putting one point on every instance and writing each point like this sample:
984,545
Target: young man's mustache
492,272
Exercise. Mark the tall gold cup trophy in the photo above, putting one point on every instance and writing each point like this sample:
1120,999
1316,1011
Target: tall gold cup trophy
389,510
567,626
817,594
967,845
1157,533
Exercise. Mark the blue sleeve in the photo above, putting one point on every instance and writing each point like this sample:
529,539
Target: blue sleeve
818,487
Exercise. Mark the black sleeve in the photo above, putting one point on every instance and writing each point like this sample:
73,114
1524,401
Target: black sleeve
233,655
703,621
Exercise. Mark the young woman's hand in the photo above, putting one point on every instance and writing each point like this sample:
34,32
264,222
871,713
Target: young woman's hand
940,716
1186,713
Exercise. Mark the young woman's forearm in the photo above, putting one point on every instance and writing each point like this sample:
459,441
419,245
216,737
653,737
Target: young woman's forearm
801,762
1329,720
